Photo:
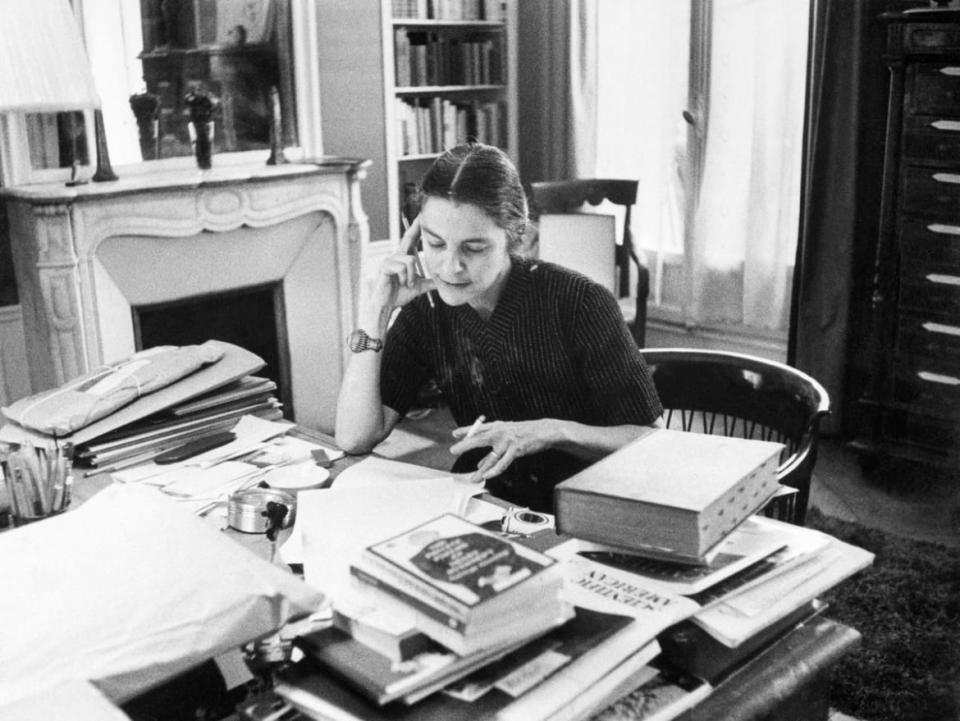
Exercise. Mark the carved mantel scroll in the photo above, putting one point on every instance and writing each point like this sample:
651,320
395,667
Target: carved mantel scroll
301,225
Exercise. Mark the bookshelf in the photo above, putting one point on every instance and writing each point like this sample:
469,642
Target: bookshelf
450,74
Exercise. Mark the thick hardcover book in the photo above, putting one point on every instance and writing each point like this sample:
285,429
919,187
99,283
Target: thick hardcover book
669,493
464,570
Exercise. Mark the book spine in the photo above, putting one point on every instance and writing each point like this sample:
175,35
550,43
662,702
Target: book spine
449,619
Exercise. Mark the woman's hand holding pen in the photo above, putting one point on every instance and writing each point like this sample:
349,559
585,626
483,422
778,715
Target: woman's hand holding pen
507,440
402,276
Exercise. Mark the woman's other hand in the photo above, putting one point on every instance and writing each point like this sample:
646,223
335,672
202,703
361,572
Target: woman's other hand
401,277
507,440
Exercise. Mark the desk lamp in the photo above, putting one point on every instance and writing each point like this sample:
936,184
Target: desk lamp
44,66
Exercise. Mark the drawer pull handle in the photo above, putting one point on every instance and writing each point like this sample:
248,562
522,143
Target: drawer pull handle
941,328
950,70
945,124
944,229
938,378
946,178
943,279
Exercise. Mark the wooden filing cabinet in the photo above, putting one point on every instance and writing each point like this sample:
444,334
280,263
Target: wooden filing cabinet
911,404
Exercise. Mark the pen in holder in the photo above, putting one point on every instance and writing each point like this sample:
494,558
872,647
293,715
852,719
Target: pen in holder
38,479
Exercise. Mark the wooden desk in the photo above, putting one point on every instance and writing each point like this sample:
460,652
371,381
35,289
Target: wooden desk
787,681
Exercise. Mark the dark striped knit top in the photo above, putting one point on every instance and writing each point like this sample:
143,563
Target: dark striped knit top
556,346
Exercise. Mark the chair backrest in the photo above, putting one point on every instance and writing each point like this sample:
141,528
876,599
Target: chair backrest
736,394
585,242
567,197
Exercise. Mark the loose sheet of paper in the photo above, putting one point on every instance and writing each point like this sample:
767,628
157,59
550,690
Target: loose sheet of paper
128,590
335,524
251,432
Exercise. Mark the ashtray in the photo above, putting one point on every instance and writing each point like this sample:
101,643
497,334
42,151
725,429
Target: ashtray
298,477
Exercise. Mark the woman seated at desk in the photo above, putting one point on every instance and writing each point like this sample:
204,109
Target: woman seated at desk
540,352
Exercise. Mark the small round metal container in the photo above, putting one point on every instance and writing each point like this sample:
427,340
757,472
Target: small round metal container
246,510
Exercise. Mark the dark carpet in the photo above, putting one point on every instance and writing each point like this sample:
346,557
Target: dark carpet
907,606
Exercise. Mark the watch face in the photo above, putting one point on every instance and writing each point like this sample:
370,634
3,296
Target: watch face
359,341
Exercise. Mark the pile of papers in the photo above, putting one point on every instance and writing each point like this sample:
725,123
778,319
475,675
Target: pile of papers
376,662
378,671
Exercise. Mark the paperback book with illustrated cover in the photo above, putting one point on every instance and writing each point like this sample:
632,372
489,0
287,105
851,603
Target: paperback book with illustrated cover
469,574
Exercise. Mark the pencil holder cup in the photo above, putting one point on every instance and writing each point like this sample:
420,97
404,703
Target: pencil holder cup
38,480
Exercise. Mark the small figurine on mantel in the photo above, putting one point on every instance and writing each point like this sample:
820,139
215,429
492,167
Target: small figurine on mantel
202,106
146,109
276,130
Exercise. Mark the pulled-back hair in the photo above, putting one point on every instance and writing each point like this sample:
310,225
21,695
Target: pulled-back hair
484,176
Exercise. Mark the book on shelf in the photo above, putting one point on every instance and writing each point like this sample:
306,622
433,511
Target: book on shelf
490,10
467,577
669,494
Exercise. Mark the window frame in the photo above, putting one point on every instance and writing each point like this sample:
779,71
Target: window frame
16,167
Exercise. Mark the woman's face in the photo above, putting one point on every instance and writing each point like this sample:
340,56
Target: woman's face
465,252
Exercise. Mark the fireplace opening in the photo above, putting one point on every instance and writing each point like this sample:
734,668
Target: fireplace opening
253,318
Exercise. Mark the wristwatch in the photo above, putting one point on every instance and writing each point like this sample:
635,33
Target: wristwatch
358,341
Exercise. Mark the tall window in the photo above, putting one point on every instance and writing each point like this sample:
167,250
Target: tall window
702,102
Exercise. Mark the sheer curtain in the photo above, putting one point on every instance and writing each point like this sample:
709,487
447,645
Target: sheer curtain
113,35
721,247
743,240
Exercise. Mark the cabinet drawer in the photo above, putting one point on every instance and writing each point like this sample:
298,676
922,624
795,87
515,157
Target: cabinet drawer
932,434
931,190
932,139
928,287
930,242
929,336
926,386
933,89
931,37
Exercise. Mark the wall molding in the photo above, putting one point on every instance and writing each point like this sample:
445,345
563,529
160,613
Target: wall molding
14,379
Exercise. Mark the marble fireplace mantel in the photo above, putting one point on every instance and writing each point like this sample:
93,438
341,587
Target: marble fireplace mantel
87,255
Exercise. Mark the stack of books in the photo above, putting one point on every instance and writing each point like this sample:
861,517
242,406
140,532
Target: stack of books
470,588
475,596
665,613
502,630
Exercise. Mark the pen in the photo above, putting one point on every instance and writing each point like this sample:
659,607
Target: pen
476,426
419,256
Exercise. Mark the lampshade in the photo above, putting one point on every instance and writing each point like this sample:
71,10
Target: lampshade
43,64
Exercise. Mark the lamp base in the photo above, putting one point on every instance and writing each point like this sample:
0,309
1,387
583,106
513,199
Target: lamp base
104,171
